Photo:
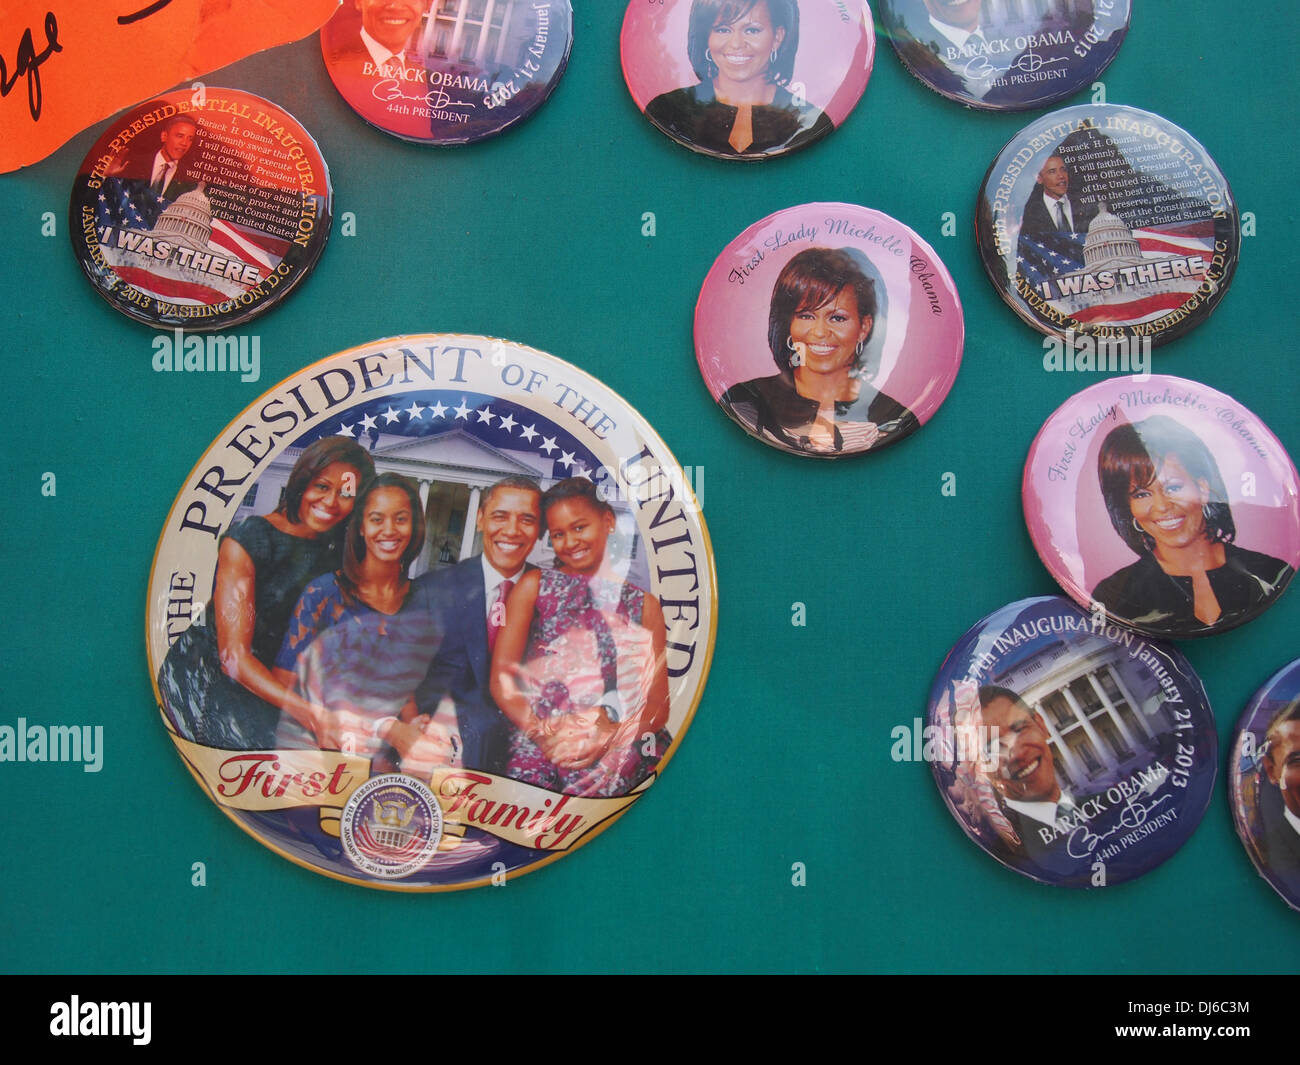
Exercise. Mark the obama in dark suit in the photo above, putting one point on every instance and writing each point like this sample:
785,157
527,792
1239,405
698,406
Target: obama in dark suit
1051,209
467,602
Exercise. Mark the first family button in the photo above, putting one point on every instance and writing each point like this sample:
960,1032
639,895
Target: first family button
431,613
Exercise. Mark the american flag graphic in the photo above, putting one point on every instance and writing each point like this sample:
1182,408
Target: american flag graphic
133,206
1041,258
393,847
128,204
1046,257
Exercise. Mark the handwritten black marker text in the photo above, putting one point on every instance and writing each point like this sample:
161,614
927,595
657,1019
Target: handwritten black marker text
29,63
144,12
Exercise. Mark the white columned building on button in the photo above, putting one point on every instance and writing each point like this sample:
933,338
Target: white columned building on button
1102,710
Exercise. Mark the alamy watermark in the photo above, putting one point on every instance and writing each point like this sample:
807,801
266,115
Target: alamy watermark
969,744
53,743
1085,353
683,485
77,1018
176,352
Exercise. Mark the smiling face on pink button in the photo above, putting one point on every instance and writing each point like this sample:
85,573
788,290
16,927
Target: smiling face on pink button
742,50
1170,509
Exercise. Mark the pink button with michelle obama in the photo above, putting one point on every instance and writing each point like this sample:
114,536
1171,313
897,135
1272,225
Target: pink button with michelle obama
829,329
1165,504
747,79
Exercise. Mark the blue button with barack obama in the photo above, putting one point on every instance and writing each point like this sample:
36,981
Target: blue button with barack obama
1264,782
1106,221
1005,55
1073,751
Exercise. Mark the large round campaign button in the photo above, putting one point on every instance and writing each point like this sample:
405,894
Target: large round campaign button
447,73
747,79
828,330
1108,222
431,613
1165,504
200,209
1071,750
1003,56
1264,782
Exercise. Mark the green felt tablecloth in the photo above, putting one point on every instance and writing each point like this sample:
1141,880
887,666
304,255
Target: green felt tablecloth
537,236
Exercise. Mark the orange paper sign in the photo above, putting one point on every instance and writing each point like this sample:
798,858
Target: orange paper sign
65,64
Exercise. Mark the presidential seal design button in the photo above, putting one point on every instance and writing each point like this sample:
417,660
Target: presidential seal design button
451,71
431,613
1107,221
1165,505
829,330
1005,56
1070,749
200,209
1264,782
747,79
391,826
